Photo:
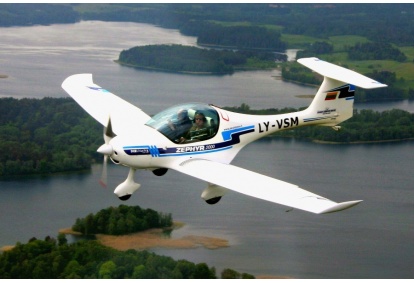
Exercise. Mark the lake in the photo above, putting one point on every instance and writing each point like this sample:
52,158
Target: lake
371,240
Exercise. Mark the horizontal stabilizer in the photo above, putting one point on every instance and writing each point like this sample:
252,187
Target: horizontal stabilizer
338,73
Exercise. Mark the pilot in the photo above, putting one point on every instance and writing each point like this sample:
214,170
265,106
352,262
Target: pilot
181,125
199,131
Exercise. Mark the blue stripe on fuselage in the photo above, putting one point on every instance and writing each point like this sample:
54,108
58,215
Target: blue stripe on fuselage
230,137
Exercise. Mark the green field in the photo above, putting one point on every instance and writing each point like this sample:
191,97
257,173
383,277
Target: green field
403,70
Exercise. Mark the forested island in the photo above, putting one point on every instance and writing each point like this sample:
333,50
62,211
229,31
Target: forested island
122,220
193,60
89,259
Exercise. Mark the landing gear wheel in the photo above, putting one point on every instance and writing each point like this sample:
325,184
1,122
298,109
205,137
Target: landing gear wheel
125,197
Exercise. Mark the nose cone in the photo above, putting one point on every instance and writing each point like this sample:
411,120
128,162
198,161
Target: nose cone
105,149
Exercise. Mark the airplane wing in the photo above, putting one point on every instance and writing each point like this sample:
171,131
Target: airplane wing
103,105
259,186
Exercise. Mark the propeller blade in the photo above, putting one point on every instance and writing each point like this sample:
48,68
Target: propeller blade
108,133
107,150
104,177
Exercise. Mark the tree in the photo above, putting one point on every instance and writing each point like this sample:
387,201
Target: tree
72,270
203,272
230,274
140,272
62,239
107,270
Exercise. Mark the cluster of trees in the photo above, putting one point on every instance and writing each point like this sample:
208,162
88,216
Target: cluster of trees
364,126
315,49
88,259
179,58
299,74
46,136
122,220
375,51
392,92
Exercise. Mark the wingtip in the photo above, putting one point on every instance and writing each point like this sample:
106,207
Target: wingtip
83,79
340,206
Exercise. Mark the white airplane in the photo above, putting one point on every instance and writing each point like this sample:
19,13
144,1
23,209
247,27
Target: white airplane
158,143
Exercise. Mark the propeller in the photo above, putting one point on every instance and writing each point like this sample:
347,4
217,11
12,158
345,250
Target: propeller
107,150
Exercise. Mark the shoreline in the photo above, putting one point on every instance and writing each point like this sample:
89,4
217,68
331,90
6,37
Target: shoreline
207,73
166,70
155,238
149,239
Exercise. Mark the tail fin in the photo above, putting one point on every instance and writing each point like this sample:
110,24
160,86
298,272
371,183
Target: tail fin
333,103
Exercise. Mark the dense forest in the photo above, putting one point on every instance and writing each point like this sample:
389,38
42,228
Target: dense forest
46,136
122,220
88,259
375,51
187,59
25,14
241,37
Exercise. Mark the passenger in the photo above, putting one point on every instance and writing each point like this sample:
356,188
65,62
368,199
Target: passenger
199,131
181,125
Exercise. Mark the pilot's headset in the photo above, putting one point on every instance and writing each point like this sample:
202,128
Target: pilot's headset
202,115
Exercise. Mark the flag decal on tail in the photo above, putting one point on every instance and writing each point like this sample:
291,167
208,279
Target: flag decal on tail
331,95
346,91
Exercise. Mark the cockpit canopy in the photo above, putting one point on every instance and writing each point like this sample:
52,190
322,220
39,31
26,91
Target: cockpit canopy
187,123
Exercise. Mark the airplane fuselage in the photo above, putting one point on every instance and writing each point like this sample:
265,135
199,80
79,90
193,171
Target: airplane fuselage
148,148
